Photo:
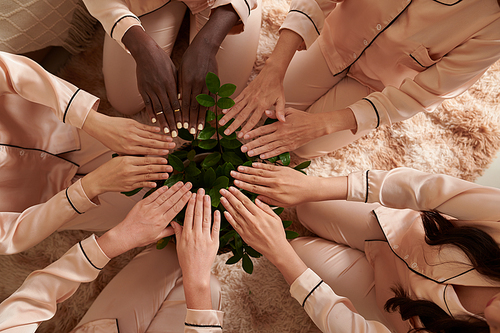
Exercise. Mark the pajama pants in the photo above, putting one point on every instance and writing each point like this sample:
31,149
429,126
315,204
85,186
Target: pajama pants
235,57
147,295
309,85
337,255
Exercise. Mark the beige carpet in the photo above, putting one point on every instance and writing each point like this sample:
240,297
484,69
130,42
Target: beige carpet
460,139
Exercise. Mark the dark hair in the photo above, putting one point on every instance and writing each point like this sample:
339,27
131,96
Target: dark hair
484,255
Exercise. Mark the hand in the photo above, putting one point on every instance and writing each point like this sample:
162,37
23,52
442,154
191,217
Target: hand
299,128
263,230
262,93
197,247
277,185
127,136
147,221
196,63
156,79
256,223
125,173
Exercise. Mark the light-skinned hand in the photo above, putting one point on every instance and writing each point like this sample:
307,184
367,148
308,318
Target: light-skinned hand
125,173
126,136
147,221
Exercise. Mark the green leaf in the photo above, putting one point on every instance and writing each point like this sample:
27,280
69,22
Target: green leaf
270,121
205,100
211,160
285,158
214,197
232,158
182,154
252,252
173,179
247,264
191,155
302,165
228,167
225,103
227,90
278,210
230,144
273,159
226,237
192,170
219,171
210,116
206,133
176,163
221,182
291,234
287,224
185,135
208,144
163,242
114,155
233,260
247,164
209,178
213,83
131,193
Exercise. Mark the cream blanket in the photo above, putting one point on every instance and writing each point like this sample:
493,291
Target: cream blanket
459,139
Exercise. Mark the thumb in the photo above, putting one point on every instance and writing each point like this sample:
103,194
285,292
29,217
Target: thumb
280,109
177,229
271,114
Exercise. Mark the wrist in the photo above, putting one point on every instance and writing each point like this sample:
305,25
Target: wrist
338,120
111,244
197,292
330,188
90,186
289,264
138,42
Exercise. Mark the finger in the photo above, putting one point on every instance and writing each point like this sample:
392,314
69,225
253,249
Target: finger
262,145
253,176
263,130
216,226
238,120
149,160
270,201
165,196
280,109
233,206
230,113
177,206
166,112
201,119
234,223
149,107
159,108
265,208
177,229
249,205
207,213
173,97
271,114
198,211
186,106
154,196
168,231
269,152
251,123
188,219
251,187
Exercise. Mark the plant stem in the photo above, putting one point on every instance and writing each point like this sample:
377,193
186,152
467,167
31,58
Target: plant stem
217,123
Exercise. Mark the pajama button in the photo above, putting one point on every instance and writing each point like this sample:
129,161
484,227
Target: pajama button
365,42
395,247
42,155
379,27
414,265
21,153
354,55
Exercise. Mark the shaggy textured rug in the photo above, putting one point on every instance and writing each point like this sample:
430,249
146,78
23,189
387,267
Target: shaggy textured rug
459,139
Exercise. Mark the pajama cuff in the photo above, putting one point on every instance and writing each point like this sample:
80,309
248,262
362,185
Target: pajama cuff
366,113
122,25
98,326
79,107
358,186
303,287
78,199
210,319
93,252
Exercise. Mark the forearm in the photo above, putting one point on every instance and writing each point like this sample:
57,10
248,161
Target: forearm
197,293
138,42
287,262
329,188
288,43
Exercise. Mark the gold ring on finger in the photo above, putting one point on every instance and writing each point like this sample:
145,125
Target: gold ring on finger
158,113
177,110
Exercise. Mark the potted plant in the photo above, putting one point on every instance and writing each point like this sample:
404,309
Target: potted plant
207,160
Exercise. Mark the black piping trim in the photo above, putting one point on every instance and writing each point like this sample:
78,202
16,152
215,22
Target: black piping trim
417,61
367,46
43,151
366,196
446,303
248,6
211,326
411,269
310,293
154,10
67,197
447,4
69,104
85,254
376,111
121,18
117,327
310,19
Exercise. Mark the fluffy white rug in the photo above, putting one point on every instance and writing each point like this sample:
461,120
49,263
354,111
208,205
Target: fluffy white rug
460,139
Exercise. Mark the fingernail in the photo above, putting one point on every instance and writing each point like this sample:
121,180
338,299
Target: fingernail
174,134
226,132
225,111
186,125
166,130
189,185
192,130
269,112
247,136
223,191
179,96
164,152
240,135
232,173
250,153
200,127
244,149
241,168
222,122
179,125
153,120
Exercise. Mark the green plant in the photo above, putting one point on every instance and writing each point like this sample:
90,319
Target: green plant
207,160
